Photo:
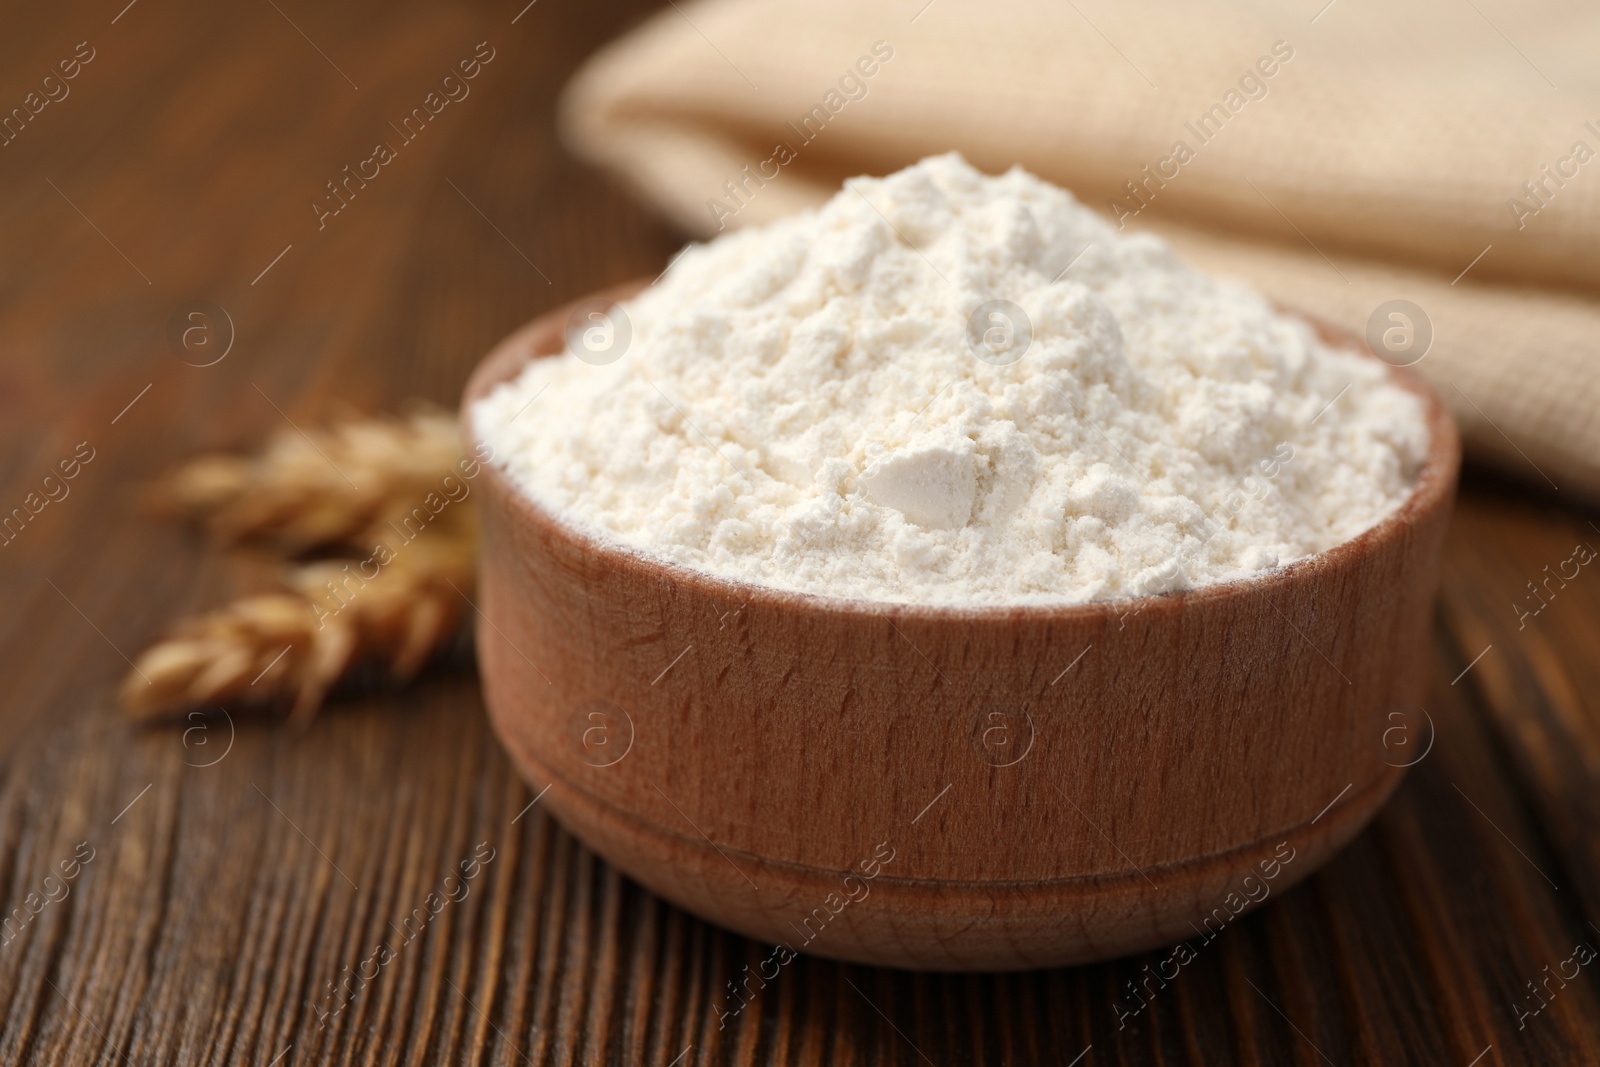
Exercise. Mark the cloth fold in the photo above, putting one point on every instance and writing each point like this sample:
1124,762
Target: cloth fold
1339,160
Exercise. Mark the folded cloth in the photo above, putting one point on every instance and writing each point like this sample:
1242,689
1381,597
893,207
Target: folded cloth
1339,159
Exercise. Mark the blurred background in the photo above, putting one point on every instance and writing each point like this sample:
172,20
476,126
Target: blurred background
193,267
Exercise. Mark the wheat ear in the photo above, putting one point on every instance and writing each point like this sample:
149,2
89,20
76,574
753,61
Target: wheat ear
393,600
296,645
317,488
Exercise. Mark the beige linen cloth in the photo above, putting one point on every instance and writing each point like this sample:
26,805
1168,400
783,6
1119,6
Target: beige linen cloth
1337,155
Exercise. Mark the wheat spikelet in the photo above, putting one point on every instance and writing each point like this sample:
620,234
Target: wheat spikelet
317,488
393,599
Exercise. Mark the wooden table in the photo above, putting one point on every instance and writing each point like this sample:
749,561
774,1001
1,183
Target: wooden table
224,875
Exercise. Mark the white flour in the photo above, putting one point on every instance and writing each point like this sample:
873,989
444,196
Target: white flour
800,406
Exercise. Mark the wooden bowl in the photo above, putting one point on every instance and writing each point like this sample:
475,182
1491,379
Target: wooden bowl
955,788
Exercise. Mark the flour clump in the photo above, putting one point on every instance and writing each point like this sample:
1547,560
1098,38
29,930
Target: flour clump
945,387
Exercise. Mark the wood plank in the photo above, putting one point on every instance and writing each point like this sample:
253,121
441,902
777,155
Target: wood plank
221,903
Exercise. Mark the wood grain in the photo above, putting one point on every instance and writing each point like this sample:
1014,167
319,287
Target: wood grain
216,907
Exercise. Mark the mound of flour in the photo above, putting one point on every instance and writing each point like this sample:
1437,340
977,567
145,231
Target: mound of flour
833,404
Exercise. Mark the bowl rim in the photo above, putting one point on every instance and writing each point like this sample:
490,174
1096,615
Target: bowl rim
1433,488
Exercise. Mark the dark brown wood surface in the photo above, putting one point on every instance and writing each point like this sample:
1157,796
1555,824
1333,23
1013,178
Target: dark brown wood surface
239,868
